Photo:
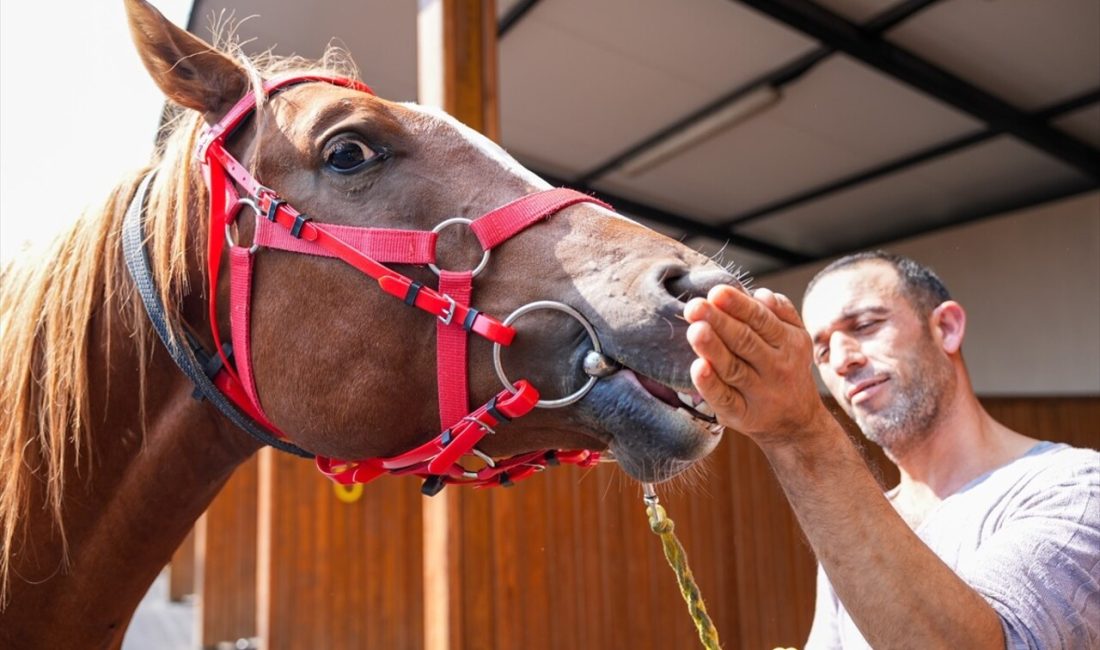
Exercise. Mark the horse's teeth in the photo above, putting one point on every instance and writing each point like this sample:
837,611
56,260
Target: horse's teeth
686,399
716,428
705,409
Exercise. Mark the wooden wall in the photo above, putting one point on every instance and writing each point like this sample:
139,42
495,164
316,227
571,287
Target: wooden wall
563,560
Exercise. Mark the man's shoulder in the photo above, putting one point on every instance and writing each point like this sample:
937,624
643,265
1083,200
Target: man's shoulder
1059,462
1057,477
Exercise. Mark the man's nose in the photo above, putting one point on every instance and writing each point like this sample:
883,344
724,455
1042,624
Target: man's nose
845,353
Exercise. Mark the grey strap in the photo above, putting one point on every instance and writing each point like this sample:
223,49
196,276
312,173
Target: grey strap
136,255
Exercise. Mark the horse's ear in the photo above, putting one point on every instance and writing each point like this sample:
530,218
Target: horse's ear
188,70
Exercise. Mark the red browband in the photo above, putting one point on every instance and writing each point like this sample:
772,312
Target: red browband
280,226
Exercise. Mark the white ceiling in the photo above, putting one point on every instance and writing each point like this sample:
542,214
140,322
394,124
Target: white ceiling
584,81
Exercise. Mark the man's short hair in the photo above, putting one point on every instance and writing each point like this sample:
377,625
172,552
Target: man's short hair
919,284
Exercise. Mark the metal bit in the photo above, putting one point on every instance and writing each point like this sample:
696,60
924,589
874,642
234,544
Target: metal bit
599,365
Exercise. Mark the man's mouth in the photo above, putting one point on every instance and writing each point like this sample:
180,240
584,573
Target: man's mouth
864,389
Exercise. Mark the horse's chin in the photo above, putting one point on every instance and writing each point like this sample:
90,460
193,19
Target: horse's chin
651,439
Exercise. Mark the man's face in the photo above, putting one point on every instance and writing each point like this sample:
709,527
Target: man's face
876,355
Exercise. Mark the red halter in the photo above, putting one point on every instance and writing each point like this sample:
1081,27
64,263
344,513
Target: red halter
280,226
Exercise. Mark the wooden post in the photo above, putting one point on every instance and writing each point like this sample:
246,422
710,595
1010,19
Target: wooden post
181,570
457,68
226,551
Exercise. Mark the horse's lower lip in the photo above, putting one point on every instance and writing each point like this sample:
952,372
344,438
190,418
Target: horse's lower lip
651,440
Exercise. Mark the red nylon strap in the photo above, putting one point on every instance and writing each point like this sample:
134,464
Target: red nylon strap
439,456
503,223
381,244
222,195
450,352
240,319
240,323
247,104
391,281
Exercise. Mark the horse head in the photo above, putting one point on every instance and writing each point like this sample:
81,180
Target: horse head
348,371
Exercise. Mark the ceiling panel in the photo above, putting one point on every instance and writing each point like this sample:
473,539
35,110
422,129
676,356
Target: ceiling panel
379,34
581,81
858,11
1083,124
840,118
991,176
1031,53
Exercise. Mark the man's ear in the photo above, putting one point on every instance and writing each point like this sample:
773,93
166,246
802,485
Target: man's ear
948,325
187,69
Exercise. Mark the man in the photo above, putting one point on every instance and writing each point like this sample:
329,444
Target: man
1006,548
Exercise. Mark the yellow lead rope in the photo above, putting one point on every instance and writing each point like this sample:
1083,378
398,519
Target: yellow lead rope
660,524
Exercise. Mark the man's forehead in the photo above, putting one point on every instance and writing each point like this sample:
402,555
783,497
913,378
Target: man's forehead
848,290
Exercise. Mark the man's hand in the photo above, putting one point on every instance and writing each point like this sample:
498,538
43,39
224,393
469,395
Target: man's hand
754,365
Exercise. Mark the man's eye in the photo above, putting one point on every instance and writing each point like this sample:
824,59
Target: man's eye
821,355
348,156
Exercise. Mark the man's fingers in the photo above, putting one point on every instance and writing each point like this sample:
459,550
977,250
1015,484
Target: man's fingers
722,354
740,339
727,402
750,311
780,305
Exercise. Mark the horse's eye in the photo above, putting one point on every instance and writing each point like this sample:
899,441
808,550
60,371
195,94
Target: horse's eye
347,156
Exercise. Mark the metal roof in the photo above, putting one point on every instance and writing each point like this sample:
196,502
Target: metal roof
783,130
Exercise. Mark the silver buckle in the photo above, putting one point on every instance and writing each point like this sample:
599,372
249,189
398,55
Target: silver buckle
448,313
232,222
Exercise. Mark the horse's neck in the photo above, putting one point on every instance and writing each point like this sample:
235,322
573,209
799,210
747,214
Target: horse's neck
126,507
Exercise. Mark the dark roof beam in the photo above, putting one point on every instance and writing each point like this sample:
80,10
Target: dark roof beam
836,32
515,14
776,78
1049,113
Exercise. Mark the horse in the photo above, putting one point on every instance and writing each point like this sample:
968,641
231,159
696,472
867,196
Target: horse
108,455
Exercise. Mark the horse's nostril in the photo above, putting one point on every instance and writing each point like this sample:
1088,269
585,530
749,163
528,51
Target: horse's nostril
683,284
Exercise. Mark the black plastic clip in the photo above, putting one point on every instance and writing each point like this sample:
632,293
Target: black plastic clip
505,480
471,316
413,292
296,229
273,208
433,485
492,409
211,363
552,458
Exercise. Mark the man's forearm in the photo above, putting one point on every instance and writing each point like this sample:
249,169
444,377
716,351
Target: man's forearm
898,592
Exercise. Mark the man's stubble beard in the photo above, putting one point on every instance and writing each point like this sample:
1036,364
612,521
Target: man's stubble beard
919,400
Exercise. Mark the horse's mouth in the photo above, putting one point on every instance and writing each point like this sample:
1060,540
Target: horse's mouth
692,402
654,430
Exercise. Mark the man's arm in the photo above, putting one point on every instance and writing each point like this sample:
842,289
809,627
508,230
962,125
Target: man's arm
754,370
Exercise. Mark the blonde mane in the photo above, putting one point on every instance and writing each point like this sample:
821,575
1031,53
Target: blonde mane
48,304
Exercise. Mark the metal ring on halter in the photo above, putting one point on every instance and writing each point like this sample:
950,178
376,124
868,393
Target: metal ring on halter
549,304
231,222
449,222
